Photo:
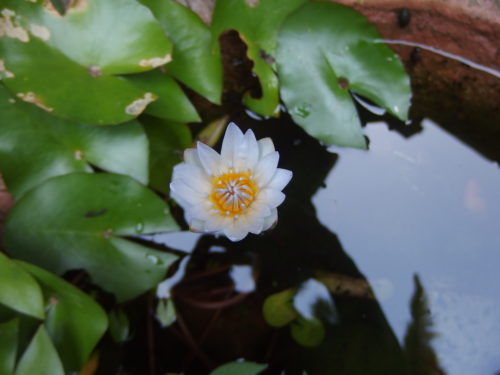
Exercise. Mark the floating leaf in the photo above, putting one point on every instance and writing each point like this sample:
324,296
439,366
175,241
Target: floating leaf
63,64
194,63
167,140
35,146
119,325
8,346
40,357
172,104
308,332
18,290
77,221
278,308
74,321
258,23
239,368
325,50
113,36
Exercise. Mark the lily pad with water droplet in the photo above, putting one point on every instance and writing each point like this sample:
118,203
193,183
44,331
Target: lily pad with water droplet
50,227
325,50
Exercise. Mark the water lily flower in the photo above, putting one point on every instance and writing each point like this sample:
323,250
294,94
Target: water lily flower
235,192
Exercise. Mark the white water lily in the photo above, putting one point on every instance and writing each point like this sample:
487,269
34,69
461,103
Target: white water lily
235,192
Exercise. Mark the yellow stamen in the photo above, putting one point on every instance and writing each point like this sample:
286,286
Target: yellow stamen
233,192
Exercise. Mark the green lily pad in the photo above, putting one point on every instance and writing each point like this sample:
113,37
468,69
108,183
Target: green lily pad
167,141
112,36
40,357
308,332
19,291
172,103
326,50
74,321
77,221
35,146
258,23
194,63
278,308
8,346
239,368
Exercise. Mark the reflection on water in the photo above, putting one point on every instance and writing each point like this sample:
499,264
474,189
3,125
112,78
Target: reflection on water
426,205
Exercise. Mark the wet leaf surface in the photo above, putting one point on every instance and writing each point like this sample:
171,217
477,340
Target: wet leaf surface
239,368
320,62
74,321
258,23
8,346
195,63
49,227
35,146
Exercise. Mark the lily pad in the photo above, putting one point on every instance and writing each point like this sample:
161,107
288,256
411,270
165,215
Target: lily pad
8,346
78,221
112,36
278,308
194,63
258,23
326,50
64,64
19,291
308,332
239,368
35,146
172,103
40,357
167,141
74,321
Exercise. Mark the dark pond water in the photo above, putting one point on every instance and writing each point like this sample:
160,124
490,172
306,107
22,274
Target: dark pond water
415,218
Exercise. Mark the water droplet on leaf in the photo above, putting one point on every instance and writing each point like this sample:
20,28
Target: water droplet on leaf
303,110
139,227
154,259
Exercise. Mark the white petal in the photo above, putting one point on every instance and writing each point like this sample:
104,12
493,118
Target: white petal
216,223
235,231
271,197
230,144
271,219
183,203
193,176
191,157
201,211
186,193
252,223
280,179
197,226
259,208
249,150
266,168
209,158
266,146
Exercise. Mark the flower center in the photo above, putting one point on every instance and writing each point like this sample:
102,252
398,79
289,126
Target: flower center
233,192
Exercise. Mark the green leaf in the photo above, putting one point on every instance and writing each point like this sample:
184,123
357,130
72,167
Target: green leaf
239,368
35,146
60,86
75,322
113,36
40,357
172,104
167,140
278,308
76,221
258,23
18,290
308,332
325,50
119,325
8,346
194,63
165,312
